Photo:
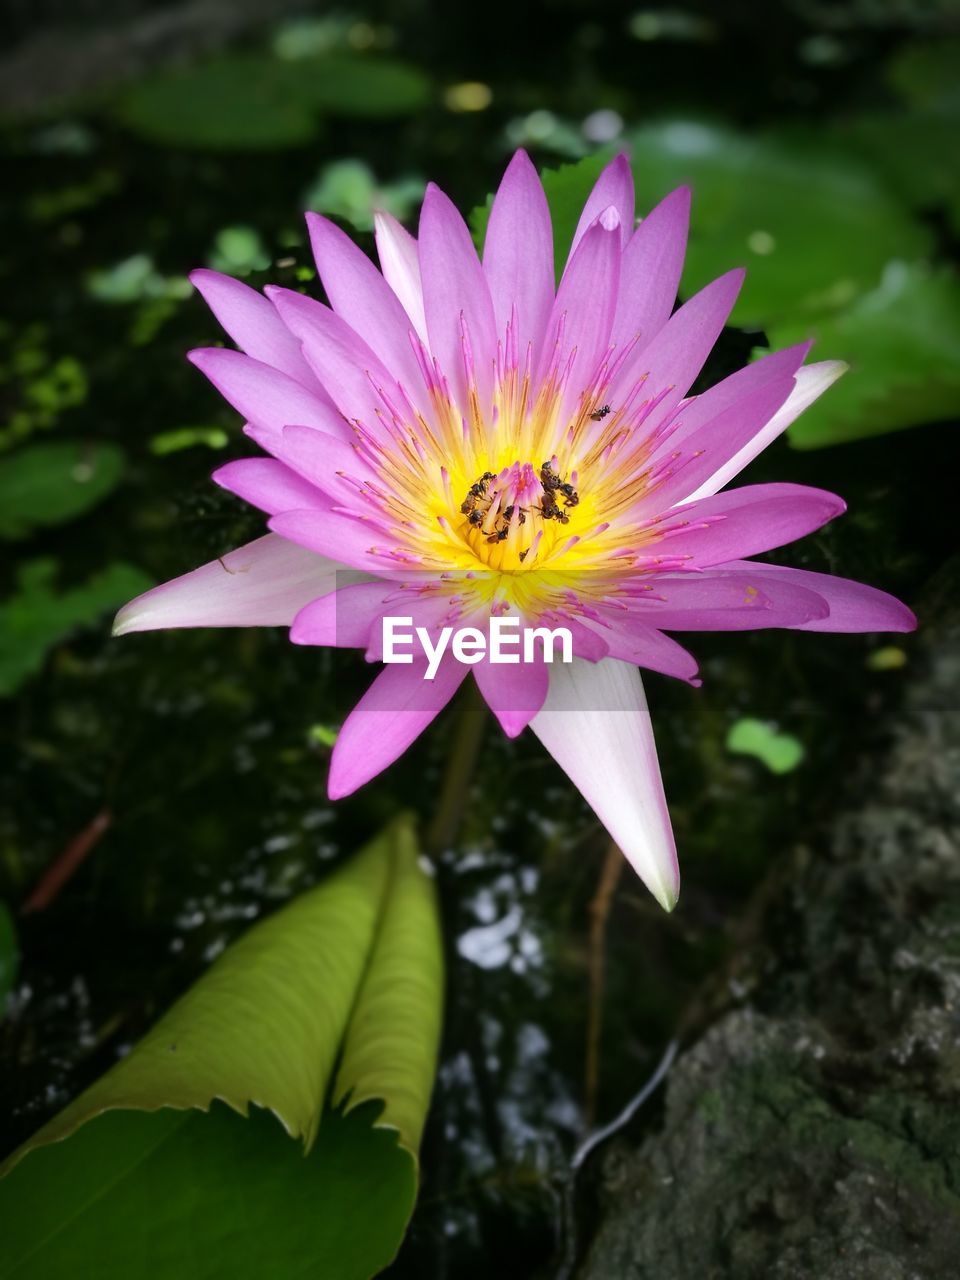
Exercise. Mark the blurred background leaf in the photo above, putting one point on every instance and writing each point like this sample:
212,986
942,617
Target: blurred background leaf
37,616
46,484
187,438
254,101
133,280
240,101
780,752
896,325
238,250
365,86
814,227
913,151
901,342
37,386
348,189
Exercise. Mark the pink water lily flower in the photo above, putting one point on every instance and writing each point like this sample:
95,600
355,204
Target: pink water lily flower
454,439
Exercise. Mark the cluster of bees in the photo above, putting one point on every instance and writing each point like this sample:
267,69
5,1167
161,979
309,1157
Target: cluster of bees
476,493
554,488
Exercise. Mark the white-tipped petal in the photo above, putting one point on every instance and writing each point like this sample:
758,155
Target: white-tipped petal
596,725
262,584
811,382
400,264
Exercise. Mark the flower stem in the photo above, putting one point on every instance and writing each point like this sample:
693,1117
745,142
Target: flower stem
459,771
599,909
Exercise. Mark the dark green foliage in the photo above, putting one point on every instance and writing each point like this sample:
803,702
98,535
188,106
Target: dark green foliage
48,484
37,615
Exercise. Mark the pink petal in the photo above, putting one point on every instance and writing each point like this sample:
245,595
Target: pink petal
264,396
731,392
719,600
513,693
518,254
613,187
596,725
400,264
351,617
269,485
455,291
431,611
262,584
390,716
584,308
646,647
743,522
811,382
853,605
324,462
328,533
343,363
358,292
587,643
344,618
674,358
253,324
680,471
650,270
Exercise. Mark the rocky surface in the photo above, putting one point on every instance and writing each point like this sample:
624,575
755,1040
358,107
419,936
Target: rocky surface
813,1129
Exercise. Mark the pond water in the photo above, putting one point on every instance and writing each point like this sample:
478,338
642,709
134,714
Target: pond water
194,763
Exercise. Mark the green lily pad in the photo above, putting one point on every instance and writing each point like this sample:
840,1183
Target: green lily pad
47,484
255,101
232,102
135,279
353,84
325,1015
239,250
305,37
901,343
322,735
187,438
780,752
37,617
813,226
911,151
543,131
75,197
